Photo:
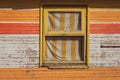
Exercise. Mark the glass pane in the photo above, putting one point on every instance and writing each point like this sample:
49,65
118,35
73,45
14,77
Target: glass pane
68,49
64,21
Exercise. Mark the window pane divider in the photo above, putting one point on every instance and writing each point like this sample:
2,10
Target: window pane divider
64,34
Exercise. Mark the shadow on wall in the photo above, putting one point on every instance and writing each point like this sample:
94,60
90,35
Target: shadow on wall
104,3
26,4
19,4
90,3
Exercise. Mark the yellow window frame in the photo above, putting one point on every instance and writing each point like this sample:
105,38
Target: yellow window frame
44,30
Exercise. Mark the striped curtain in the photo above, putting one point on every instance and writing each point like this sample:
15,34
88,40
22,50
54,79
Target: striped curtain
63,48
64,21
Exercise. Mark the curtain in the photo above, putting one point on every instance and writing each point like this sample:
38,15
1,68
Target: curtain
64,21
63,48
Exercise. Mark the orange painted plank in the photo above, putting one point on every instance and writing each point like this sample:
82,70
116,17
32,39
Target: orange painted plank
105,28
19,28
60,74
105,16
19,15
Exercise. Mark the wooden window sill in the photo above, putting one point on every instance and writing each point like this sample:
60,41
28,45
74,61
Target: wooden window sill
64,66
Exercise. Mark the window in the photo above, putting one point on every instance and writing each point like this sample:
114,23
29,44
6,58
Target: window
64,37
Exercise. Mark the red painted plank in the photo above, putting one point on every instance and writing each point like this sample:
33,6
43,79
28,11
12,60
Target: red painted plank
104,28
18,28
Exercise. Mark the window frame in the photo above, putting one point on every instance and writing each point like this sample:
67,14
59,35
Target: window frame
44,31
63,9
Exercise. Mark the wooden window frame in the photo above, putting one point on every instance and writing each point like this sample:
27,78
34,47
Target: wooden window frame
44,32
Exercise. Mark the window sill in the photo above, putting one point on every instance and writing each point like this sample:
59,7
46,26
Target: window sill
66,66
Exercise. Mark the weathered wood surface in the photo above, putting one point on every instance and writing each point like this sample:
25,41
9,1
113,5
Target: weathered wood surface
100,28
19,51
22,50
19,15
18,18
60,74
105,15
19,28
105,50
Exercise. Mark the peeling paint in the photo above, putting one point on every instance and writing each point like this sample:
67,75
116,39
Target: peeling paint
107,56
19,51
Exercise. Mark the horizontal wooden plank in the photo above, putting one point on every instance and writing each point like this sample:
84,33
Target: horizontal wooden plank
19,50
107,56
105,28
29,28
19,28
19,15
105,16
60,74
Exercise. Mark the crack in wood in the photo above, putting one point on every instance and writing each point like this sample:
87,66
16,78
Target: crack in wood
102,46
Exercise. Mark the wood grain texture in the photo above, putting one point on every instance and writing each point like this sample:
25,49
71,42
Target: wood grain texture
60,74
104,56
105,16
22,50
104,28
24,15
18,28
19,50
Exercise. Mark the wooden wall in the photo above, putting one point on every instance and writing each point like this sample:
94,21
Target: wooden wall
19,32
19,41
104,36
60,74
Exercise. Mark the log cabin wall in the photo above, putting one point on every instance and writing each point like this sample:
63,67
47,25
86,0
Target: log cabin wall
19,32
